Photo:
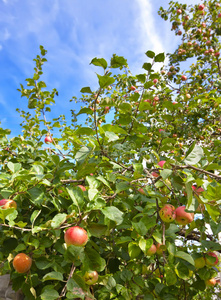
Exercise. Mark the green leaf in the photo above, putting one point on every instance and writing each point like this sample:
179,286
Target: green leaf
118,61
37,196
76,195
100,62
171,277
125,108
185,256
194,156
14,167
105,81
86,90
93,260
159,57
85,110
82,154
111,136
97,229
166,173
189,191
53,276
213,212
58,220
84,131
147,66
113,213
150,54
43,263
133,250
49,294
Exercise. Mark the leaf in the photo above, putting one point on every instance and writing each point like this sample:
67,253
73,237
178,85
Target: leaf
105,80
14,167
150,54
189,191
185,256
111,136
133,250
113,213
76,195
194,156
147,66
53,276
166,173
84,131
58,220
93,260
159,57
213,212
100,62
97,229
85,110
82,154
125,108
118,61
49,294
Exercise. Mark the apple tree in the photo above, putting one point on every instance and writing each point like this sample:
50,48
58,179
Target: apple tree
127,209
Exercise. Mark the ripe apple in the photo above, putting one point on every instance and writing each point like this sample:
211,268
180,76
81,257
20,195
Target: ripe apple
83,188
141,191
217,54
133,88
212,262
183,217
155,174
219,15
91,277
200,262
179,32
199,31
204,25
183,77
76,236
48,139
201,7
22,263
167,213
187,17
106,109
8,203
210,282
161,163
163,72
155,80
152,250
179,11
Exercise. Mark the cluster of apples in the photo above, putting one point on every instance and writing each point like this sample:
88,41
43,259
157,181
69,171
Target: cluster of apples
169,214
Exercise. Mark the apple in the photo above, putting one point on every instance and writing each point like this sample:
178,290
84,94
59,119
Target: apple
133,88
200,262
217,54
141,191
183,78
206,52
179,11
48,139
219,15
90,277
155,174
76,236
179,32
83,188
160,130
183,217
160,249
161,163
8,203
204,25
199,31
211,50
167,213
147,100
201,7
106,109
152,250
22,263
212,262
155,80
163,72
156,98
210,282
187,17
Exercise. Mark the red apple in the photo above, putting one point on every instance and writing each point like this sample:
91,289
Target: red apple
167,213
179,11
91,277
199,31
183,77
76,236
217,54
141,191
106,109
212,262
183,217
210,282
152,250
8,203
155,174
186,17
161,163
204,25
83,188
179,32
133,88
48,139
219,15
155,80
201,7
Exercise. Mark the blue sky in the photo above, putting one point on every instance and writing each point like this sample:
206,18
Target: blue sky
73,32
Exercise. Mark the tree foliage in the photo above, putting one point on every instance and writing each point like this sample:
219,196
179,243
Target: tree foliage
163,114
